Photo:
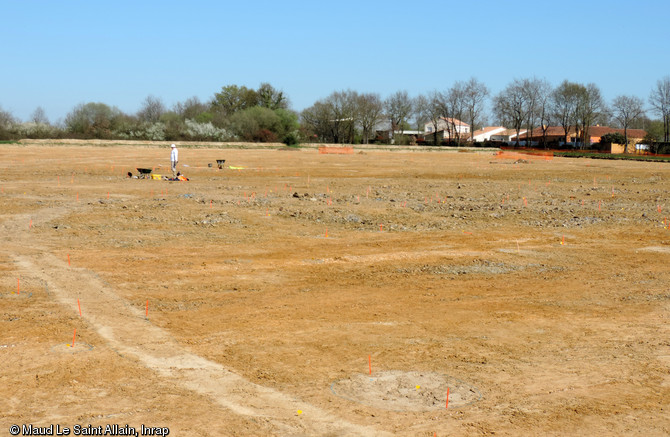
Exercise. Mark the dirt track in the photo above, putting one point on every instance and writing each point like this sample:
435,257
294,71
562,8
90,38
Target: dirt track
538,292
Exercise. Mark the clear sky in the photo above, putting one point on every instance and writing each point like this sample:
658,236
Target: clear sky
57,54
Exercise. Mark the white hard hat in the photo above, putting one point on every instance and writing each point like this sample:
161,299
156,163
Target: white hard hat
173,146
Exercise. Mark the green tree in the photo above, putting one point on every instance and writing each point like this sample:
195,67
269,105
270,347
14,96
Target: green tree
612,138
271,98
233,98
256,124
96,120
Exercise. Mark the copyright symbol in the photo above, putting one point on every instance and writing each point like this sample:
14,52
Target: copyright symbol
14,430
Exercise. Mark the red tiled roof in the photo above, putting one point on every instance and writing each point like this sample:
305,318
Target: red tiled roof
594,131
599,131
454,121
486,129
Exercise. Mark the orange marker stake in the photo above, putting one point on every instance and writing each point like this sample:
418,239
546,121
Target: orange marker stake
30,225
74,336
326,232
146,313
77,197
370,363
599,205
68,259
447,406
381,227
79,305
108,195
18,285
563,240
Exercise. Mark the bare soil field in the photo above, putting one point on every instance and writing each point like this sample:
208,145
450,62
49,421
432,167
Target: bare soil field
380,293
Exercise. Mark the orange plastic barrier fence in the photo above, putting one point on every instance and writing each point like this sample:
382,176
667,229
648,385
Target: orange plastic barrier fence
337,150
547,156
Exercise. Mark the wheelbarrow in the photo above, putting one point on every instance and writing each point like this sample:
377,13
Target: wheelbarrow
144,172
220,163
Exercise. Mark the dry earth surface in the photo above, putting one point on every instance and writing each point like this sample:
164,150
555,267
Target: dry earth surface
336,295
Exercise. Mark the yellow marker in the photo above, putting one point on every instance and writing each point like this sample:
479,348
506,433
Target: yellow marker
299,412
418,387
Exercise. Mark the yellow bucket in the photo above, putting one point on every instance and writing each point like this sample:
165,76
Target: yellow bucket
156,176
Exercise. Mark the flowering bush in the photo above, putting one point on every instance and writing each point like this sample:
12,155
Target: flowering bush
205,132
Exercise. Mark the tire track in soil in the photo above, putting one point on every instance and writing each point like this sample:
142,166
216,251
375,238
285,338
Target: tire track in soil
130,334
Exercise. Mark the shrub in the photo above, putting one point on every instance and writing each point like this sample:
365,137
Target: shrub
205,132
291,139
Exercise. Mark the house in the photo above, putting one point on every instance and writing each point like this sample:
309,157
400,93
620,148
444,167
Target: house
556,134
485,133
384,133
507,135
448,125
635,137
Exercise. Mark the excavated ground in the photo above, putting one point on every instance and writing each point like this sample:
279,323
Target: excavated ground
316,294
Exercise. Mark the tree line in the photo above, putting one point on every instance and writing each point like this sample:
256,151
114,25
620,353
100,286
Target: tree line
347,116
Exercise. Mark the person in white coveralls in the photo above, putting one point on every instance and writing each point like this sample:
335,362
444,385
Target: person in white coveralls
174,158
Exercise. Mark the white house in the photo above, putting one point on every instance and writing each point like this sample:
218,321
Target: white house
485,133
448,125
507,135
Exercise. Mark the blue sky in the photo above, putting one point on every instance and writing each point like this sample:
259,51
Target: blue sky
59,54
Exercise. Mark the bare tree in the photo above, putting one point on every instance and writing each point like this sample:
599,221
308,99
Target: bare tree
511,106
369,109
659,99
432,109
398,107
317,119
6,119
564,101
589,107
39,116
190,109
151,110
420,105
453,110
626,110
537,106
333,118
475,94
